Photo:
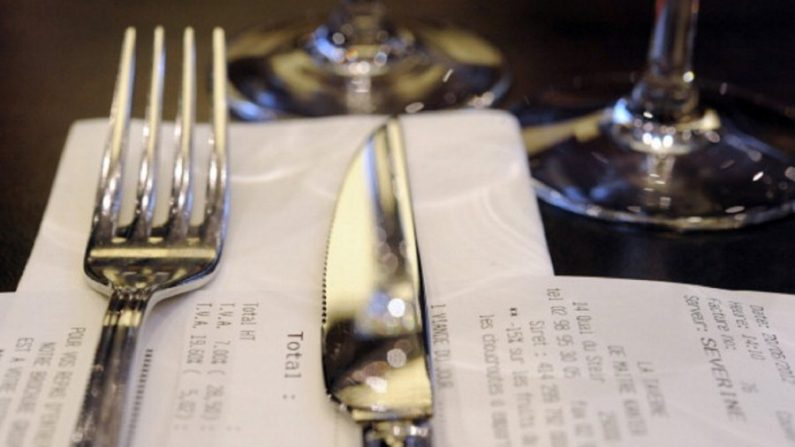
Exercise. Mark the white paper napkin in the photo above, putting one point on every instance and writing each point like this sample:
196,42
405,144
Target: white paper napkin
468,175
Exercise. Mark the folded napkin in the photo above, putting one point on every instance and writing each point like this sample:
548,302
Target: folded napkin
476,220
475,212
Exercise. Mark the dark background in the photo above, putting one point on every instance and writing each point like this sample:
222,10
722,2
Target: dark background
58,61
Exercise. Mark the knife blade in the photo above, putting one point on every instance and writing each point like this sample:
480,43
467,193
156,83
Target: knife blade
375,362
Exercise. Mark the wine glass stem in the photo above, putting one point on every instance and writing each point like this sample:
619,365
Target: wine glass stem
666,89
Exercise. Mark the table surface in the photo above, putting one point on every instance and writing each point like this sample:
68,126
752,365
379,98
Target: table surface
59,62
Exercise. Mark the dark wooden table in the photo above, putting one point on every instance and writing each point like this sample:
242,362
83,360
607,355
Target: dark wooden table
59,61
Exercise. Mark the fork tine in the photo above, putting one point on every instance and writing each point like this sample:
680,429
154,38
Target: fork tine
141,227
217,191
137,271
182,192
108,199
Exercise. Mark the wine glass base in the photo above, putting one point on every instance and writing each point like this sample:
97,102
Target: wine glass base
740,172
275,72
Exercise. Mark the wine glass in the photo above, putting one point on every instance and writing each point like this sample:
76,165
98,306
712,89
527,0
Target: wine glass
358,61
659,148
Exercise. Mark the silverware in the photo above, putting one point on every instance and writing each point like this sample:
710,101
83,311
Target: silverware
139,264
374,352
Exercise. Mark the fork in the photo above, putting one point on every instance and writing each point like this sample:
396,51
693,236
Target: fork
140,263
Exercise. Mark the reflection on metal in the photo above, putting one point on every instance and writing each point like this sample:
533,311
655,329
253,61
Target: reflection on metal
374,355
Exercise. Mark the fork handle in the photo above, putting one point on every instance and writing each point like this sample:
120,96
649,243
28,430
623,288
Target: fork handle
100,421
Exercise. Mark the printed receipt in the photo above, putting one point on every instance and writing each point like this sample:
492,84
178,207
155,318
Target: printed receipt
242,370
46,348
593,362
250,374
522,362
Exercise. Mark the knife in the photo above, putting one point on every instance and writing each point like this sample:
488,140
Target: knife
375,362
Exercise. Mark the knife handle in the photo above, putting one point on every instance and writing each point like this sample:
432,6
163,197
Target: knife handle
406,433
